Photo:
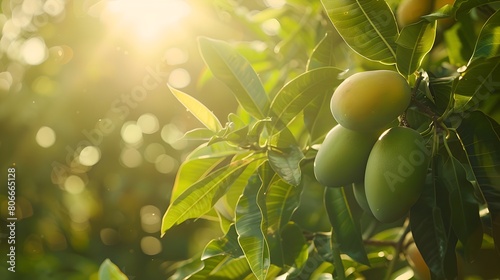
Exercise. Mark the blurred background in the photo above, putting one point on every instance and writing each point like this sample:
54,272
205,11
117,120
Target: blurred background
92,129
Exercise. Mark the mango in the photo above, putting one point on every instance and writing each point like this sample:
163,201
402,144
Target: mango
370,100
342,157
395,173
360,196
410,11
417,263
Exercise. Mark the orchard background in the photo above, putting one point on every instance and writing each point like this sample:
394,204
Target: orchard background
176,139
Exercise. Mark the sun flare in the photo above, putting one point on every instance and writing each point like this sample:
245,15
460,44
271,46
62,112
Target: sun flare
147,19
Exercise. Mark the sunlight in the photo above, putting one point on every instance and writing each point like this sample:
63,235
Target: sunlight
147,19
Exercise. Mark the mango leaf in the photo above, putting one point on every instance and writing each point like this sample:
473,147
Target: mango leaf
236,72
464,206
318,118
199,163
198,134
488,42
227,245
286,162
295,248
232,269
413,44
462,8
347,231
202,113
281,201
479,135
200,197
250,226
430,224
299,92
477,84
328,52
368,27
109,271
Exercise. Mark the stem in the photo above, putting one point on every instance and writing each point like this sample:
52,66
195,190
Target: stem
397,250
337,260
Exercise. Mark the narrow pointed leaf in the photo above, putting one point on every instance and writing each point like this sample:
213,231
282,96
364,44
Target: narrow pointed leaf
199,163
343,223
431,227
488,42
414,42
236,72
281,201
368,27
200,197
227,245
463,7
295,247
464,206
198,134
109,271
250,222
480,136
286,162
202,113
301,91
477,84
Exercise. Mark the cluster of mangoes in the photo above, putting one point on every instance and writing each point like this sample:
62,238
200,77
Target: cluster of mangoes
386,166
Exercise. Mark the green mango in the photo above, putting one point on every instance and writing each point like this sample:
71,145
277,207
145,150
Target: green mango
341,159
360,196
370,100
395,173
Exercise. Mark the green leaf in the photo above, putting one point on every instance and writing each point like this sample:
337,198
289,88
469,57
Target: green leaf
286,162
318,118
477,84
202,113
462,8
330,51
479,135
236,72
488,42
198,134
347,231
299,92
199,163
281,201
232,269
368,27
250,226
463,203
430,224
227,246
413,44
109,271
200,197
295,248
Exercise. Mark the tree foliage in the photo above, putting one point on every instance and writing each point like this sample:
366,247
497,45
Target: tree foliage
253,173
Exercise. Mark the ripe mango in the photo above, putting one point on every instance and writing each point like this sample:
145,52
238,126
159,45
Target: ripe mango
410,11
341,159
395,173
370,100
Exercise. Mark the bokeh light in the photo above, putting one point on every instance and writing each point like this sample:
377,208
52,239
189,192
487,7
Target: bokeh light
45,137
151,245
74,184
131,157
34,51
148,123
165,164
131,133
89,156
150,218
179,78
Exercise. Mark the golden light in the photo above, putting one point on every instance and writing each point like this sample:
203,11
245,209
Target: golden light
146,19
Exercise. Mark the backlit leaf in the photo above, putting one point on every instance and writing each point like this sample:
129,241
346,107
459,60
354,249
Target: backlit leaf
367,26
